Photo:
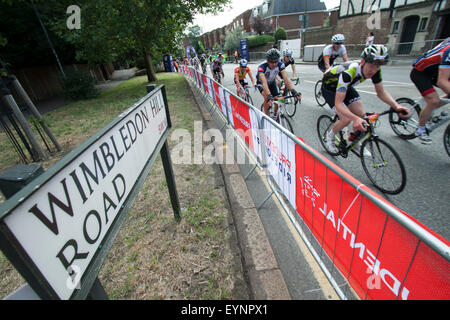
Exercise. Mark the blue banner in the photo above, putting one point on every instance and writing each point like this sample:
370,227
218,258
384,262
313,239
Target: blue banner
244,49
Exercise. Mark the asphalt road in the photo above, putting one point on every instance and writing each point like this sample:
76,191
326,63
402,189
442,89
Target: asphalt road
426,196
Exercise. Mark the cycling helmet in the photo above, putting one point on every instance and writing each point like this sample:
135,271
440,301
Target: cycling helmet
273,55
287,52
243,63
376,54
338,38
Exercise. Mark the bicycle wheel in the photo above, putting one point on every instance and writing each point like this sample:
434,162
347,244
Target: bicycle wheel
384,167
405,128
447,140
324,125
249,99
290,105
286,123
318,94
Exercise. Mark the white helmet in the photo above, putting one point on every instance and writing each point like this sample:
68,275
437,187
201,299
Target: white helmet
287,52
338,38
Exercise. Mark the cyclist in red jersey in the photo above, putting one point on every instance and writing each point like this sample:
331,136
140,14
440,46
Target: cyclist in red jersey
240,73
431,69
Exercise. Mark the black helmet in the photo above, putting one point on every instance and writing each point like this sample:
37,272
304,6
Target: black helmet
376,54
243,63
273,55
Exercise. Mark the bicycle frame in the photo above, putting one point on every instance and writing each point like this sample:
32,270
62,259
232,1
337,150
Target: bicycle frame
370,118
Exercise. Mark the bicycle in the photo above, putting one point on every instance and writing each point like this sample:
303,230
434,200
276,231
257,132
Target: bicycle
382,157
280,118
318,94
290,102
406,128
318,90
217,75
245,94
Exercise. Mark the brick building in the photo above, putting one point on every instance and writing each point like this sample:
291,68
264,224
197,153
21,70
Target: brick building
293,16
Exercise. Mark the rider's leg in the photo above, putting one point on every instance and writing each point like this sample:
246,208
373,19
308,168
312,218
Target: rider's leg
433,102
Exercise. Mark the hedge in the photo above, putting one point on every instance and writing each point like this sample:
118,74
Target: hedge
256,41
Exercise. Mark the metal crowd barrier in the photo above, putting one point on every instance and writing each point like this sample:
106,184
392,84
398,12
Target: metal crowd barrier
378,253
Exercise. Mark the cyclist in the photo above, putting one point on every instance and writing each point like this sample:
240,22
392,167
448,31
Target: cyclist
203,63
289,60
331,52
431,69
339,92
216,68
240,73
266,79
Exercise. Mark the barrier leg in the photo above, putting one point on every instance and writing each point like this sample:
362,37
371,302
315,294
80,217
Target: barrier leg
251,171
265,200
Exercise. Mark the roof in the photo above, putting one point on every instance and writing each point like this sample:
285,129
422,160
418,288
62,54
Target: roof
282,7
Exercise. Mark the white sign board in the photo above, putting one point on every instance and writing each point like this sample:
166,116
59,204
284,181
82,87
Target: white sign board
61,225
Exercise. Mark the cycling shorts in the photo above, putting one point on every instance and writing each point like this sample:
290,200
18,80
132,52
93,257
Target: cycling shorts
242,82
274,90
330,96
424,81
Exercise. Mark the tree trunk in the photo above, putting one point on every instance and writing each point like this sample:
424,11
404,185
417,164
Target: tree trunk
149,66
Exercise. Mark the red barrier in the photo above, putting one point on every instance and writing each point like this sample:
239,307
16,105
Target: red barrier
373,251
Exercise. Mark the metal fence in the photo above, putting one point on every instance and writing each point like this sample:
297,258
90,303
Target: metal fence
366,247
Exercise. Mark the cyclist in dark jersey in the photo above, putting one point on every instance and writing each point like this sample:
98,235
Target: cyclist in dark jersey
431,69
339,92
289,60
266,79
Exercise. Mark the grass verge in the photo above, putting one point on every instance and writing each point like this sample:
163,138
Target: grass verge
154,257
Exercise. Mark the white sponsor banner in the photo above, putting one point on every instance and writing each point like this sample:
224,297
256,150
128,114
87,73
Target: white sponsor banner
222,101
61,225
280,153
254,120
210,88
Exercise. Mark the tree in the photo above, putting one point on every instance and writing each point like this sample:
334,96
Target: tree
111,28
261,26
280,34
232,39
194,32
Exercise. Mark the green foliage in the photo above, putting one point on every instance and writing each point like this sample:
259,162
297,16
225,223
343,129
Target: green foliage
232,39
280,34
79,85
256,41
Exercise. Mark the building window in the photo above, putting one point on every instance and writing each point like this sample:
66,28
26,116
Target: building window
423,24
396,25
242,22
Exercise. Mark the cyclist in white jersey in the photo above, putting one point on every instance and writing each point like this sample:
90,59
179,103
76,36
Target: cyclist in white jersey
331,52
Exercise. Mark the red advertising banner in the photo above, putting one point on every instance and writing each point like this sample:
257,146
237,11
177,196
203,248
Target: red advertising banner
241,120
205,83
380,258
217,94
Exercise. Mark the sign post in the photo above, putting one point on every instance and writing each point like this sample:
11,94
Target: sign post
58,230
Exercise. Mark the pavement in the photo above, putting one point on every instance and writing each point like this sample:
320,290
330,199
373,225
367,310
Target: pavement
265,279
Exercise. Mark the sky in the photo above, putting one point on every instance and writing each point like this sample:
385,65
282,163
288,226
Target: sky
210,22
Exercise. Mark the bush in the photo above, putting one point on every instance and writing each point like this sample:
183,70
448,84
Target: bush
280,34
79,85
256,41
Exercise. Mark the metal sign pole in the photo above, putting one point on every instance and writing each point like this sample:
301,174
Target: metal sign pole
167,162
